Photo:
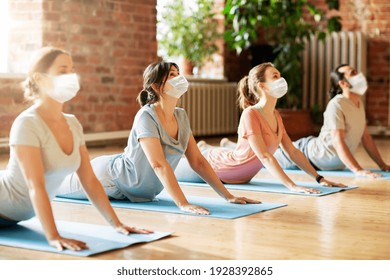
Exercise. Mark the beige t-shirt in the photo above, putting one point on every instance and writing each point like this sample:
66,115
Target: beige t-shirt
30,130
340,113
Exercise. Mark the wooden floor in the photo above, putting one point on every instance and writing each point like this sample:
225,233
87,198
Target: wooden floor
348,225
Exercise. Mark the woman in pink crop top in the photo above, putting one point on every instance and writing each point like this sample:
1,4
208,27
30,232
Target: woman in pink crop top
260,133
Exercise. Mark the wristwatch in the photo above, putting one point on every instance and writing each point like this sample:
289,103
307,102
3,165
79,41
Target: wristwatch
318,178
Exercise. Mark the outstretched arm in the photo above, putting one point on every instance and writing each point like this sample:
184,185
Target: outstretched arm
96,193
346,156
30,161
201,166
260,149
155,155
372,150
300,160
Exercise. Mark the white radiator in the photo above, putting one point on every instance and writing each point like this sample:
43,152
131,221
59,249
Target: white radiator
211,107
320,58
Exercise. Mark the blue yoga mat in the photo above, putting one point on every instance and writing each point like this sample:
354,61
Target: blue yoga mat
218,207
29,235
341,173
271,185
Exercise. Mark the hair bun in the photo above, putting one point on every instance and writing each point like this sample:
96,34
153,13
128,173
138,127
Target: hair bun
143,97
30,87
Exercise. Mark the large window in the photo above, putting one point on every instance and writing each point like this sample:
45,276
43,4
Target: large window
209,68
5,23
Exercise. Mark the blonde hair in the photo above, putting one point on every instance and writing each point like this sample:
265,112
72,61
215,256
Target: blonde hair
248,90
41,62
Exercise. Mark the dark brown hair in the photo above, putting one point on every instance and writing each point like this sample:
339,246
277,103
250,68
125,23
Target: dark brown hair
155,74
335,77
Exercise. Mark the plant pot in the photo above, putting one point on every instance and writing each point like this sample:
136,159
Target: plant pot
188,67
298,123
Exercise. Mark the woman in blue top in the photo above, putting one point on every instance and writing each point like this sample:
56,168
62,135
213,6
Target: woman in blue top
160,136
46,145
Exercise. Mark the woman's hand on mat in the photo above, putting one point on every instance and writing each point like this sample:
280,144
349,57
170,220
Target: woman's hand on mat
330,184
194,209
385,168
62,243
127,230
304,190
368,173
242,200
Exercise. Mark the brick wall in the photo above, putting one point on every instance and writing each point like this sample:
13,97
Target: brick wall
374,19
11,103
111,43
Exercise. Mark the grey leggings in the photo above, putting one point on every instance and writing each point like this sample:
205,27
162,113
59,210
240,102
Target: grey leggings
185,173
71,187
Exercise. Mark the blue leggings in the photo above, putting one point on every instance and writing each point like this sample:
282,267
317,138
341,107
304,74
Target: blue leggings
284,160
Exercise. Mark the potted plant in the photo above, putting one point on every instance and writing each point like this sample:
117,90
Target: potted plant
286,25
188,29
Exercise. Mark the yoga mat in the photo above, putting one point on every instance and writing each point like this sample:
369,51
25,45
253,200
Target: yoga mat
342,173
29,235
218,207
272,185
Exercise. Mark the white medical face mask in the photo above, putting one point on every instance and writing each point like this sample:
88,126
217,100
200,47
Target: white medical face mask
180,86
278,88
65,87
358,84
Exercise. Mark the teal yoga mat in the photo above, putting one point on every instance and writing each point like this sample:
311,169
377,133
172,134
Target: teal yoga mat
271,185
341,173
29,235
219,208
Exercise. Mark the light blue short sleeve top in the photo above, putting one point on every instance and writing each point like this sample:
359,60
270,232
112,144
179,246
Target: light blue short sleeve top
131,171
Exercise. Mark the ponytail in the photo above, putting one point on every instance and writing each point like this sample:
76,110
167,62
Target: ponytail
335,77
245,97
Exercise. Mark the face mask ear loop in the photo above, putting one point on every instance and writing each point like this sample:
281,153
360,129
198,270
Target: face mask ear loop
346,80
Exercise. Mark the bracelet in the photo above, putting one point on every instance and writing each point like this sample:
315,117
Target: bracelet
319,178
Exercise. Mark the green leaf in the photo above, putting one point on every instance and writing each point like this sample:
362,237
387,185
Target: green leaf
285,27
334,24
333,4
321,36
